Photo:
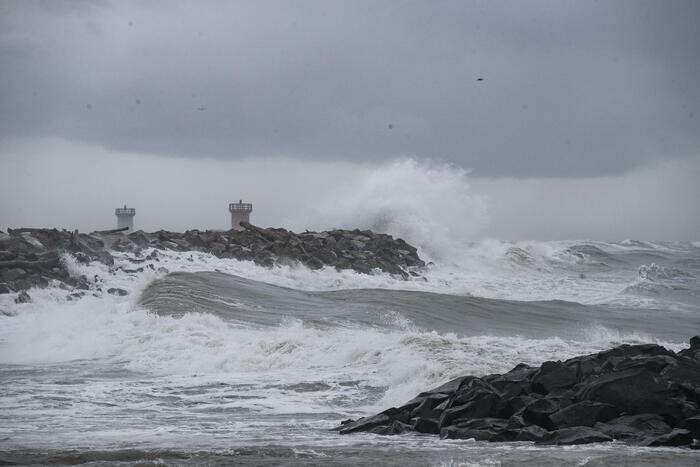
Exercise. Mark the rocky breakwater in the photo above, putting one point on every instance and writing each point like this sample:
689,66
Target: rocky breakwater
32,257
361,250
638,394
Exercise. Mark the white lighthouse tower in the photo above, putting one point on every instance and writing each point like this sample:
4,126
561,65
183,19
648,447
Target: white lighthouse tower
125,217
240,212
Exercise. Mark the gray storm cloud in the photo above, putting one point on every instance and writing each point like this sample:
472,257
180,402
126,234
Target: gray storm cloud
506,88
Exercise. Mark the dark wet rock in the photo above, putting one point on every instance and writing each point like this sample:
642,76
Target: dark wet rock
576,401
426,425
584,413
4,288
517,379
11,274
7,255
693,352
449,387
595,364
481,429
654,363
553,375
575,435
634,426
471,390
366,424
513,405
539,412
396,428
517,421
23,297
482,404
695,343
117,291
684,372
32,256
139,238
692,424
528,433
635,391
677,437
427,407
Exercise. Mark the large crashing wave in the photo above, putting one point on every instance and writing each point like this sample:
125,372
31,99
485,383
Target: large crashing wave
429,205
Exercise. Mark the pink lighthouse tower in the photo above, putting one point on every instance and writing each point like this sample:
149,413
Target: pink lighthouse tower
240,212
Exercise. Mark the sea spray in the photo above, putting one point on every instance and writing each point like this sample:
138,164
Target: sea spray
429,205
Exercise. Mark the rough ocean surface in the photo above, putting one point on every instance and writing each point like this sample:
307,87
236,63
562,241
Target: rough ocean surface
195,357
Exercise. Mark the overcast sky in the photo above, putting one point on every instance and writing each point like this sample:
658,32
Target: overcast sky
516,90
569,88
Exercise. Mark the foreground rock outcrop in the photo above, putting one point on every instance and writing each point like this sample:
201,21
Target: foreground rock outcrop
640,394
31,257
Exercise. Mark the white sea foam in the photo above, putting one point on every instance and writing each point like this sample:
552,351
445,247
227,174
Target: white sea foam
204,347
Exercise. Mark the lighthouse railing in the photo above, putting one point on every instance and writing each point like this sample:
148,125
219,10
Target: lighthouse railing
240,207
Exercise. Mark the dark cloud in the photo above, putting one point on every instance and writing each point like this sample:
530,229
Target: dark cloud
512,88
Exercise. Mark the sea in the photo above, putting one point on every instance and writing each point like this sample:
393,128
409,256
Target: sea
220,362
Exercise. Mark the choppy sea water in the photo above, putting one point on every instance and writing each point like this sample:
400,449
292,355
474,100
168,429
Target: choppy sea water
221,361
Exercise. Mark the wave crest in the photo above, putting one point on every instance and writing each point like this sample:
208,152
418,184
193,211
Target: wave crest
428,205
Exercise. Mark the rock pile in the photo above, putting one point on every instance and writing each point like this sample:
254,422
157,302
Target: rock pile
640,394
31,257
360,250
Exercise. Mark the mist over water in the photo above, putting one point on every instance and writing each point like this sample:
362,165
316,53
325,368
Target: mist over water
430,205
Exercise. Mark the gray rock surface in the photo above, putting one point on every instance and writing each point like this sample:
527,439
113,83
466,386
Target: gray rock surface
32,257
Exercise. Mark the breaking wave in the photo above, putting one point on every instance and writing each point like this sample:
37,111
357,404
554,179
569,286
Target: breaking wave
429,205
371,348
